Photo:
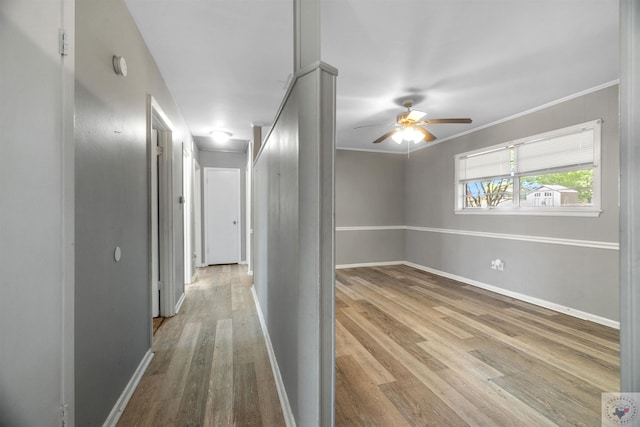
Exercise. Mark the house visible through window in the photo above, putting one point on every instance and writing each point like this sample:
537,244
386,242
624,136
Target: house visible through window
551,173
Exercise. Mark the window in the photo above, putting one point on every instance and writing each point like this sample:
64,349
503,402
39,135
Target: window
553,173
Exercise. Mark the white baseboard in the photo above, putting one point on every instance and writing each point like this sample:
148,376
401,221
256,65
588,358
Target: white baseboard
290,421
179,303
250,273
522,297
369,264
121,404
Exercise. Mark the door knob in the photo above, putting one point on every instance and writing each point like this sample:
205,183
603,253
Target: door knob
234,222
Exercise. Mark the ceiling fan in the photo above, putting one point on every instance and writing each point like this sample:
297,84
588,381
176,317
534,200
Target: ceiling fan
409,126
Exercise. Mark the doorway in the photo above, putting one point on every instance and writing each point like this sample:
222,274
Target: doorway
161,233
222,222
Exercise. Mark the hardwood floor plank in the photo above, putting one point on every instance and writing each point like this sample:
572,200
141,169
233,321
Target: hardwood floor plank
593,336
383,355
562,359
509,328
143,399
269,404
487,359
460,361
193,404
211,365
350,346
359,401
562,338
246,408
424,320
346,290
389,325
450,396
457,303
420,406
501,407
552,400
219,405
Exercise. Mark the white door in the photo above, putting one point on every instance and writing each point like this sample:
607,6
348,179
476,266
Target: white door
222,215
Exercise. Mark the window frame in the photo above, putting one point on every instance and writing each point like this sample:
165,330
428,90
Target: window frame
589,211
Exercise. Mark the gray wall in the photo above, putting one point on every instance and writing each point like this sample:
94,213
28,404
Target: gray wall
113,299
585,279
36,213
369,193
581,278
294,230
219,159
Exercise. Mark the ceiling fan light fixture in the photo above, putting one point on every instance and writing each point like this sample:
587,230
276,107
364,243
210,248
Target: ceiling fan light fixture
411,134
220,136
398,136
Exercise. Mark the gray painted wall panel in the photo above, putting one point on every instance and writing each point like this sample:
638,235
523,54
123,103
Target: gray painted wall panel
354,247
293,271
573,277
276,269
113,299
369,188
36,213
217,159
369,192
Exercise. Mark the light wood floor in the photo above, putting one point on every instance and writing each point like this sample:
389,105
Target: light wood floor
417,349
211,365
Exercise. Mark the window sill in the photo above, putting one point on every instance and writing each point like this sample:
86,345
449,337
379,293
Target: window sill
590,213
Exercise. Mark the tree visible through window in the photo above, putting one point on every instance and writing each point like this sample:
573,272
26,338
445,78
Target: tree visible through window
555,170
489,193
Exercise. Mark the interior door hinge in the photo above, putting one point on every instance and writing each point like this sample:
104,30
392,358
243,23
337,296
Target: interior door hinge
63,415
63,42
159,150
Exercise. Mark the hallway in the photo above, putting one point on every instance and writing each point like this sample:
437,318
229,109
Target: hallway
211,365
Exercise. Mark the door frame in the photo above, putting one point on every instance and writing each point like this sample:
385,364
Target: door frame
207,207
187,213
157,119
197,211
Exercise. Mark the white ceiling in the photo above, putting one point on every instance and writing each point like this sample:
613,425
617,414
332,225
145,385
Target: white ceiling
228,63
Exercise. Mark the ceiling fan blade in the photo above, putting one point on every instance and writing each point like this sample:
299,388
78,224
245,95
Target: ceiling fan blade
368,126
415,115
439,121
385,136
428,136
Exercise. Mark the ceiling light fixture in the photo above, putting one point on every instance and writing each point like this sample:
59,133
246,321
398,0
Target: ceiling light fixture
220,136
407,134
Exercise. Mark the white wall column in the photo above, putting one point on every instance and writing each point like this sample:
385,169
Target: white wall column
629,195
306,28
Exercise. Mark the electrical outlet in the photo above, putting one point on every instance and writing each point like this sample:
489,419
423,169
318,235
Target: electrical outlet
497,264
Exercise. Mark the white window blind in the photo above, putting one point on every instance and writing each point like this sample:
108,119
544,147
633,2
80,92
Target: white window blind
485,165
573,149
